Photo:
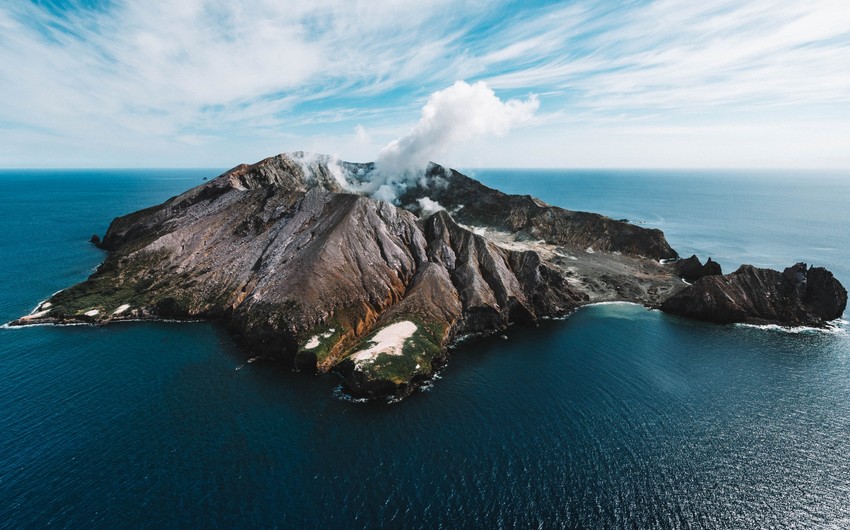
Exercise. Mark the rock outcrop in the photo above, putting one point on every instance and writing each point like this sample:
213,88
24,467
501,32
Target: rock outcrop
798,296
691,269
302,264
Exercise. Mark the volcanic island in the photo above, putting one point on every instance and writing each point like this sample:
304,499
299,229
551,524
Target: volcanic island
303,261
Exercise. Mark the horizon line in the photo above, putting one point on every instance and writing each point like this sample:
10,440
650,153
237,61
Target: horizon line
459,167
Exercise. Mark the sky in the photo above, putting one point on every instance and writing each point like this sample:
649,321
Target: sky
632,83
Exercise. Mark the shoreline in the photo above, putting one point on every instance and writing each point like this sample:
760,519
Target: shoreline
837,325
13,325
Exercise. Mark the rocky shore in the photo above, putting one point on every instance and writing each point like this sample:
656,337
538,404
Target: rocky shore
798,296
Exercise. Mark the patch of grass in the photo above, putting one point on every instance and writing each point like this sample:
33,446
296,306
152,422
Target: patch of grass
119,280
335,332
417,355
98,294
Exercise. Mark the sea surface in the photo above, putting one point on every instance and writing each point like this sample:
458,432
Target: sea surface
617,417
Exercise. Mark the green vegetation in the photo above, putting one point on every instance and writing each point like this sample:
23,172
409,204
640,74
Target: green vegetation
418,353
328,336
99,293
119,281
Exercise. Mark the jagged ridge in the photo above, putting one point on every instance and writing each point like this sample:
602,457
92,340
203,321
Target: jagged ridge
798,296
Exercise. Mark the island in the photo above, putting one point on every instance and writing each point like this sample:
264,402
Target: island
304,260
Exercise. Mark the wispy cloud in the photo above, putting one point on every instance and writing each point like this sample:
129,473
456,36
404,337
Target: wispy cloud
682,54
203,82
152,69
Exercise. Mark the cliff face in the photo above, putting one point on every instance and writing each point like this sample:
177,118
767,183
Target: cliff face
302,269
798,296
692,269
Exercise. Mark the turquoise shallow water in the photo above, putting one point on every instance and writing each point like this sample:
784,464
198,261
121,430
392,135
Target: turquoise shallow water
615,417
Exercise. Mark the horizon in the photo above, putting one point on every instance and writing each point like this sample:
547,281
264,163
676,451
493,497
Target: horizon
653,84
462,169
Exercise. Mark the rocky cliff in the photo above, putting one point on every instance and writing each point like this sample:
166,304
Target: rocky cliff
798,296
691,269
301,262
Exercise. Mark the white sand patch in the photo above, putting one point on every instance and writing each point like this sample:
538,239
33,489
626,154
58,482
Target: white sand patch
91,313
315,339
46,305
37,314
121,309
389,340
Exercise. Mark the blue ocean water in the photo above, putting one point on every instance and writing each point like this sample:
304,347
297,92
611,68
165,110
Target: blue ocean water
617,417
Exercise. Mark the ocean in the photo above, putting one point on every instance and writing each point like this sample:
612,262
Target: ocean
616,417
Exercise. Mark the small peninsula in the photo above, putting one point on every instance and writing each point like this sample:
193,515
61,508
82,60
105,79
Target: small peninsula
302,261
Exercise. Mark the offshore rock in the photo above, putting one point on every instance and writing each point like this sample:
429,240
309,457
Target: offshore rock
798,296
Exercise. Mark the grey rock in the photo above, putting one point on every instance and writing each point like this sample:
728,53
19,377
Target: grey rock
691,269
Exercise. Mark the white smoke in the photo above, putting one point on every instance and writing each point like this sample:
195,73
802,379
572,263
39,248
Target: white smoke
429,206
451,116
311,162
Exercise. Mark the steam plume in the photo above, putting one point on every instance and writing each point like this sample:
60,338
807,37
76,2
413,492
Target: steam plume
451,116
456,114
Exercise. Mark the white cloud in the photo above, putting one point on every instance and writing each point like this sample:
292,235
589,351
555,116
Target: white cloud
678,54
452,116
362,135
216,82
139,74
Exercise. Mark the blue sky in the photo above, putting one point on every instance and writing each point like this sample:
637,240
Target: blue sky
213,83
